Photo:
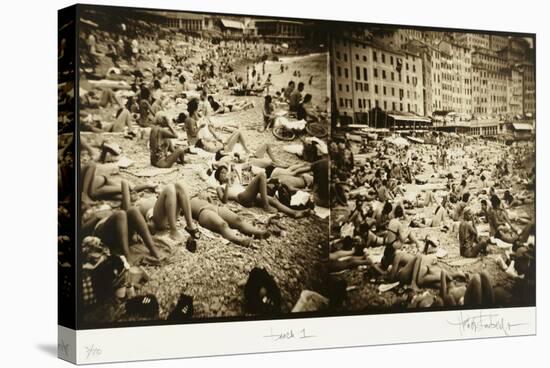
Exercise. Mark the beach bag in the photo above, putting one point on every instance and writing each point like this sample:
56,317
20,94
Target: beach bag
261,293
143,306
183,310
310,152
107,277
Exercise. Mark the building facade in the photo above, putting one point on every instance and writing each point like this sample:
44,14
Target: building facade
497,43
369,75
278,29
473,76
185,22
473,40
528,76
515,92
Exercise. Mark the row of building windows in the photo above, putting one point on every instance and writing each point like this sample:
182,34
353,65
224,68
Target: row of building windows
364,87
367,104
391,59
383,74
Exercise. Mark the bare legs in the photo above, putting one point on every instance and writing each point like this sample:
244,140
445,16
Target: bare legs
235,222
121,225
213,222
426,274
256,192
176,156
286,210
98,187
234,138
402,267
108,97
267,149
480,291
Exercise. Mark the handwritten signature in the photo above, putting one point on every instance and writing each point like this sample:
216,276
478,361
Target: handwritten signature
288,335
481,322
92,351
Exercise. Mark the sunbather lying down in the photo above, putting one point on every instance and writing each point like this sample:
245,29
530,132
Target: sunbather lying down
254,194
341,260
256,159
213,144
418,270
102,187
99,149
116,228
163,211
478,292
123,119
225,222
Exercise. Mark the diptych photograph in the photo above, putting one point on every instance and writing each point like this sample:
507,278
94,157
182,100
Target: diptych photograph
232,168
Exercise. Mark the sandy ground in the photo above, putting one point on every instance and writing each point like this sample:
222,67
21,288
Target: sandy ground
216,273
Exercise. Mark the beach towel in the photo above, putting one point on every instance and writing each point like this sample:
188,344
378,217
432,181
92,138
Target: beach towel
107,83
376,258
321,212
502,244
166,248
462,262
124,162
296,149
291,124
299,198
441,253
387,287
149,172
347,230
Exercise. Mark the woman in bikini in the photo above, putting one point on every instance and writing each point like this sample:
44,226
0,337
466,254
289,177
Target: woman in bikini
396,236
254,194
225,222
162,212
418,270
115,228
257,158
478,293
210,142
340,259
101,187
163,153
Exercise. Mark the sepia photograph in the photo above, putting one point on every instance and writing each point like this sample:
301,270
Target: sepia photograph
203,165
432,168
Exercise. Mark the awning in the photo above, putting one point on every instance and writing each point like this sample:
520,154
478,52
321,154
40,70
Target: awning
410,118
232,24
522,126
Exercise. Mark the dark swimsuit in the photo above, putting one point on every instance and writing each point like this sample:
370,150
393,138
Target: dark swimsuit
389,250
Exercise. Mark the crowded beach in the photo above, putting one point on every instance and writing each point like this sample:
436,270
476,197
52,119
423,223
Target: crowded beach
203,192
446,220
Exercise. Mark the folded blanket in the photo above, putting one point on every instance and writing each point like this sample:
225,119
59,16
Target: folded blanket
166,248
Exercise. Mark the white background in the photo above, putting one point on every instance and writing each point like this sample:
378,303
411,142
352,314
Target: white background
28,179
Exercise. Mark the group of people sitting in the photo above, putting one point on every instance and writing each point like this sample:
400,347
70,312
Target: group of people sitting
299,106
146,111
480,214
